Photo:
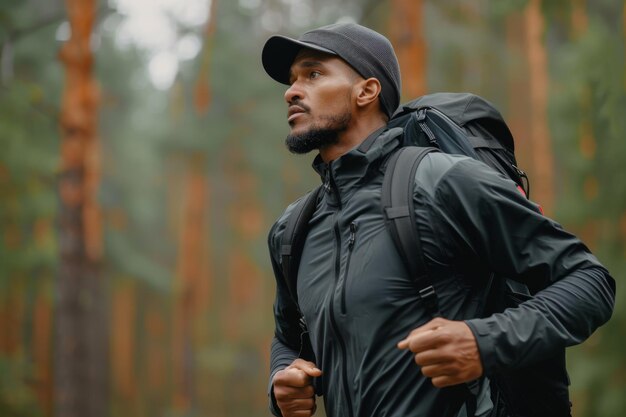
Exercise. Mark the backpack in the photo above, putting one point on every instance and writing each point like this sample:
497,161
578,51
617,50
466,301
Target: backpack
455,123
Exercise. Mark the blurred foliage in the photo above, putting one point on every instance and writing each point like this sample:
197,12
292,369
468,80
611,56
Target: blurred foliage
156,143
588,103
17,399
30,82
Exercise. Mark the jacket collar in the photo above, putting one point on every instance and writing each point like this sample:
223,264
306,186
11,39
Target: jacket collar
342,176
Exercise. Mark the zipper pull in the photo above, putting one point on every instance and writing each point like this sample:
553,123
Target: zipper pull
524,180
519,171
353,227
421,121
302,324
421,115
327,182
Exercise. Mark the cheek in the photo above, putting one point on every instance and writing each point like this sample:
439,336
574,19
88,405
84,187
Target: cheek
337,100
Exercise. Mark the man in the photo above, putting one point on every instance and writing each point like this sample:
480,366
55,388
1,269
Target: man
376,351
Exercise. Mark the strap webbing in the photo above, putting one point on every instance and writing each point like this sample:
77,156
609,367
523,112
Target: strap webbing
294,236
397,200
478,142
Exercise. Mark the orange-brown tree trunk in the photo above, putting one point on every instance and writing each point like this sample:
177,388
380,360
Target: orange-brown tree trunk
155,363
191,286
123,320
80,336
587,142
202,90
528,104
540,142
518,117
406,32
42,351
580,20
246,224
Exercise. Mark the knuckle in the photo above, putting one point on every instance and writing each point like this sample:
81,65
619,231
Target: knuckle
280,394
302,380
442,336
279,378
437,321
439,382
413,345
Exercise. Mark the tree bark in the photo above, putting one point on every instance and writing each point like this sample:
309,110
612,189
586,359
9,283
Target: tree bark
191,284
541,147
80,330
202,90
123,342
518,117
406,34
42,356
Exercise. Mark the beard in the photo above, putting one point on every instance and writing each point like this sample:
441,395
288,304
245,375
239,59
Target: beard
318,136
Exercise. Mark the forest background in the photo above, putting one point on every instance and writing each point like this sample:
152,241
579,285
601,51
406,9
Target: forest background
142,163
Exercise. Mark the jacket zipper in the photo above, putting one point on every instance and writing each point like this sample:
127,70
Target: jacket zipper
331,307
333,322
353,227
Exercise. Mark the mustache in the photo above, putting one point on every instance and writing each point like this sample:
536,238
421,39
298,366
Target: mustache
300,104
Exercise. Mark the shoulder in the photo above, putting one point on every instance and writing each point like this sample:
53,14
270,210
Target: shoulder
440,169
278,228
460,182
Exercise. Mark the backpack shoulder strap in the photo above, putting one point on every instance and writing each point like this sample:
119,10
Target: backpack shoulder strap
294,236
397,200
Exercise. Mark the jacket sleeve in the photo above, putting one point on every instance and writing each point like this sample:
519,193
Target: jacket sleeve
286,342
484,217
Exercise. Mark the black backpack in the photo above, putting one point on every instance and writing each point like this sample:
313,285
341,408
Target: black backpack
455,123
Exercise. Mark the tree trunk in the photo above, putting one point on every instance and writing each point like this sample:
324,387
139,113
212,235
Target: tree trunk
579,19
528,101
406,34
42,356
191,286
155,364
518,99
123,341
541,147
202,90
81,337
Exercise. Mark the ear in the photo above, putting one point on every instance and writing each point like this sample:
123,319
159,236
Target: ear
367,92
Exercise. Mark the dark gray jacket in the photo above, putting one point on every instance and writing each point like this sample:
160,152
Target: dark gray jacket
358,300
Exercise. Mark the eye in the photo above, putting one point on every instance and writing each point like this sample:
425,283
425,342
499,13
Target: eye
314,74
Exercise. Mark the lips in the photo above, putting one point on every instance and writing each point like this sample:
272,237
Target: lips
293,112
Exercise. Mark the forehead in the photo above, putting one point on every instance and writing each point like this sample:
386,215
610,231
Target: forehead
307,53
309,57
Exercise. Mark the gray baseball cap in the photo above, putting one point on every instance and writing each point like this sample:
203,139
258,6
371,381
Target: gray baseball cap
367,51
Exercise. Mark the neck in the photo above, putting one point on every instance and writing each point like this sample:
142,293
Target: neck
351,138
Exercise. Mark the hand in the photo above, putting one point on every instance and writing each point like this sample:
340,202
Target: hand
446,350
293,389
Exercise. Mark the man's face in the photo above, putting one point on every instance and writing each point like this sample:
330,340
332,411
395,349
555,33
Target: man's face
319,100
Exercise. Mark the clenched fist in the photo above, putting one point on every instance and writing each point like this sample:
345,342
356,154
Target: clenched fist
446,350
293,389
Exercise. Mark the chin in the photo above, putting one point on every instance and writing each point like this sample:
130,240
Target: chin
298,130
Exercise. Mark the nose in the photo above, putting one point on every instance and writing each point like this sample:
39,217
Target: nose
293,93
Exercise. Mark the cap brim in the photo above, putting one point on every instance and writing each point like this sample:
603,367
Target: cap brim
279,53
